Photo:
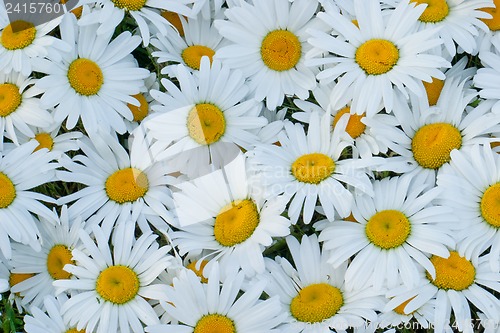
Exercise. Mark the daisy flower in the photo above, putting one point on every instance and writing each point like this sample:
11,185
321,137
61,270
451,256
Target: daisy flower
380,52
486,79
20,171
475,174
428,135
398,317
458,283
19,106
309,167
232,221
313,295
114,284
268,44
200,38
94,81
118,183
394,232
22,43
210,107
490,38
213,307
58,239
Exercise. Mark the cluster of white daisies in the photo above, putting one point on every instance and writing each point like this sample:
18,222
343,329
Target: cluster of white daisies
252,166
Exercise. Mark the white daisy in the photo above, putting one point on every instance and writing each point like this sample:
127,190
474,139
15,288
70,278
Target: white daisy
214,307
231,221
385,51
51,321
20,107
268,44
395,231
490,39
118,183
309,167
313,295
422,317
20,171
458,284
58,239
471,188
114,284
94,81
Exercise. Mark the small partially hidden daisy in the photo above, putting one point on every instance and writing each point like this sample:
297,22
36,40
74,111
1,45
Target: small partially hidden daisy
51,320
212,307
313,295
114,282
374,55
270,48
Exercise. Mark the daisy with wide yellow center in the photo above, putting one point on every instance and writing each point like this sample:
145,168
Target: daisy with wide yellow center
192,55
18,35
436,10
454,272
126,185
117,284
10,99
313,168
214,323
85,77
206,123
281,50
377,56
7,191
58,256
355,127
316,302
236,222
388,229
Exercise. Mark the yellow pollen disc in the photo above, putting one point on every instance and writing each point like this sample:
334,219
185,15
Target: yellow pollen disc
377,56
74,330
117,284
10,99
140,112
85,77
490,205
18,35
313,168
126,185
432,144
192,55
433,90
388,229
316,303
354,126
436,10
198,272
15,278
131,5
44,141
494,22
174,19
455,273
236,222
400,309
7,191
214,323
206,123
281,50
59,255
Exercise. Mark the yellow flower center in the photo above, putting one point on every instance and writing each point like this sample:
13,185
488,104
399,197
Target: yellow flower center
214,323
432,144
117,284
18,35
44,141
388,229
126,185
436,10
15,278
316,303
85,77
174,19
400,309
377,56
206,123
59,255
74,330
236,222
131,5
354,126
455,273
281,50
198,272
313,168
10,99
433,90
140,112
192,55
490,205
7,191
494,22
